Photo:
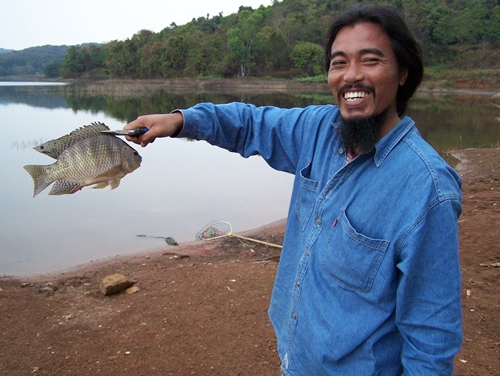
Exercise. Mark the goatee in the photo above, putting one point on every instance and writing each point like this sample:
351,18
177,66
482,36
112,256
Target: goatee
361,134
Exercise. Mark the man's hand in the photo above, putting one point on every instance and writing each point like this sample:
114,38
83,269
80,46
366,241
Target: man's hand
159,125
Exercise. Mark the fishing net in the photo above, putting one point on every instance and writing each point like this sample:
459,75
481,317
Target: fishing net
214,230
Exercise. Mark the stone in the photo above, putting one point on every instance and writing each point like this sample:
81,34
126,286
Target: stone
114,283
132,290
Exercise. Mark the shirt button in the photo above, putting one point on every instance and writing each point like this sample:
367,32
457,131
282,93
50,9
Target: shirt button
297,284
294,316
341,151
318,222
307,253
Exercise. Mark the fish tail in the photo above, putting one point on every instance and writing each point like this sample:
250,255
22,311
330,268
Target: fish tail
39,175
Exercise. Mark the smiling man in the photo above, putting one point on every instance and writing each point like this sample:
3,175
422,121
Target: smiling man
369,277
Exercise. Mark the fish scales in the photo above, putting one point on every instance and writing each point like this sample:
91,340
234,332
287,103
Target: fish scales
101,159
88,159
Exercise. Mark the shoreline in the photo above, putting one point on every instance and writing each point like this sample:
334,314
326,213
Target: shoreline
247,85
192,249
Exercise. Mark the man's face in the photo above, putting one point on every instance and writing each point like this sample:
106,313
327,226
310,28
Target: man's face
364,75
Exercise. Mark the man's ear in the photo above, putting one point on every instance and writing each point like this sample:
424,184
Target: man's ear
403,75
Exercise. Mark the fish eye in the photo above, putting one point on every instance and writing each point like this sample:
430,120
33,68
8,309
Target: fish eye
136,153
42,147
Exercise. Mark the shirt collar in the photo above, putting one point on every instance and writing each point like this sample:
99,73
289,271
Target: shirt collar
391,139
384,146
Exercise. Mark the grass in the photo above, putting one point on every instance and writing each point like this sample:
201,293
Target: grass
437,74
321,79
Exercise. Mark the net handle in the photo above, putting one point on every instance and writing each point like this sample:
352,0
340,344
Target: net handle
229,232
255,240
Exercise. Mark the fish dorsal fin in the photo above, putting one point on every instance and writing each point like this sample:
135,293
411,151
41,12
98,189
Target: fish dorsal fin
54,148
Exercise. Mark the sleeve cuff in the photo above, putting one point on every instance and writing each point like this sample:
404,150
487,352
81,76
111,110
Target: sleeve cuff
176,134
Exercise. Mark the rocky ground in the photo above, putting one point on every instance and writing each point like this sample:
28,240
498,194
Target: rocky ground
202,307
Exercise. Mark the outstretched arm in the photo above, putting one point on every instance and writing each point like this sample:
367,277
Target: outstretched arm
276,134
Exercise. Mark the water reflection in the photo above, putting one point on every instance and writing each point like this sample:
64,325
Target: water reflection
26,144
447,121
180,186
456,121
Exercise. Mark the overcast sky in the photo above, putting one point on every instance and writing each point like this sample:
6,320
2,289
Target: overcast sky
31,23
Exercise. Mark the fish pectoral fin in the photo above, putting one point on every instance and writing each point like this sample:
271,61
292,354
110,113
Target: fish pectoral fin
111,177
114,183
102,185
63,187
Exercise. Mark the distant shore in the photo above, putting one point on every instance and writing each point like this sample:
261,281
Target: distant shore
247,85
140,87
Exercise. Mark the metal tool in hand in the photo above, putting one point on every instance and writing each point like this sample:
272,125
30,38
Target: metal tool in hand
127,132
220,229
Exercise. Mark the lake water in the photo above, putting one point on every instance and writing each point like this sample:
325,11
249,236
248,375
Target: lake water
180,186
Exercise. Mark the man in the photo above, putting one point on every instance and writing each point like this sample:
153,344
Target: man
369,278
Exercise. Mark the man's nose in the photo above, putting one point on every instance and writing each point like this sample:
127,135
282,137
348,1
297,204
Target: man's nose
353,73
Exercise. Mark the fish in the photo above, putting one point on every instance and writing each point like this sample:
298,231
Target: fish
84,157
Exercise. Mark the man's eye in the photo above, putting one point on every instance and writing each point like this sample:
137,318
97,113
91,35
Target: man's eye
337,64
371,60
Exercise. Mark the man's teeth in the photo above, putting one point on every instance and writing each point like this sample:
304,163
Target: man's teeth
352,96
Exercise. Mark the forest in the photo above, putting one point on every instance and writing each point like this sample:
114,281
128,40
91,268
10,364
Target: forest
31,61
283,40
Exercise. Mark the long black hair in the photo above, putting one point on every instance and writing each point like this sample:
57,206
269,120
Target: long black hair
405,47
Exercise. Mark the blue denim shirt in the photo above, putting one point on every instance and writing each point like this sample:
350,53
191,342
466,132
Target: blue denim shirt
369,277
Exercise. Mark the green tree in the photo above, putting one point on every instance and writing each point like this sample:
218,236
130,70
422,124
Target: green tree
274,57
152,58
437,27
52,70
122,59
175,56
493,26
72,65
470,23
243,38
86,61
309,57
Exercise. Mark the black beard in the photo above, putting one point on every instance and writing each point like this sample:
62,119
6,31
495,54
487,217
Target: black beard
361,134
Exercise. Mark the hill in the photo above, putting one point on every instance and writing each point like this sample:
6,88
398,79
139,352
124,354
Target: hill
282,40
30,61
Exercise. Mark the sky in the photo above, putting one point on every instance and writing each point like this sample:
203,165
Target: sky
32,23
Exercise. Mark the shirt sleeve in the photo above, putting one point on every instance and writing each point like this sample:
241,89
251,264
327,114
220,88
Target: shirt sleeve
274,133
428,311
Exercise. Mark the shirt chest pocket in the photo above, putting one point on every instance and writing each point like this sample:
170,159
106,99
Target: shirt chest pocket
351,258
306,197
